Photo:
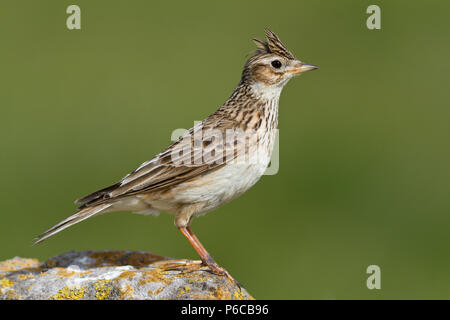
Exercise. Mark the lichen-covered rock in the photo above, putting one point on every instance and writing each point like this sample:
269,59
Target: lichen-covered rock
112,275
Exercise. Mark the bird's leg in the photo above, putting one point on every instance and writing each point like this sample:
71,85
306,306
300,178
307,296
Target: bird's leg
204,255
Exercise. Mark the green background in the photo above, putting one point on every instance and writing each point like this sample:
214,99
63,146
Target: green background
364,141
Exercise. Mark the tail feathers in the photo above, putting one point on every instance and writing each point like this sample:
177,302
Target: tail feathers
85,201
73,219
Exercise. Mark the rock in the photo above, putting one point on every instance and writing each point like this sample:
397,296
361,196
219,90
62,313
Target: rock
112,275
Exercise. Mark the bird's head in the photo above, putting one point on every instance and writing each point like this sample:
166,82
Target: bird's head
272,65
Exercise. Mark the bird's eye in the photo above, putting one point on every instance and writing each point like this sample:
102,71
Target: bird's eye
276,64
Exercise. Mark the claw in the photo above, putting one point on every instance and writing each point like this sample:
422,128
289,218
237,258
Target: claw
216,269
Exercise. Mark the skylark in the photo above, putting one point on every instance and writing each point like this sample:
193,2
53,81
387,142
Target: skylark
214,162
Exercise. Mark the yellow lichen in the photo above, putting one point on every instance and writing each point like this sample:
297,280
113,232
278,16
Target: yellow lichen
6,288
6,283
12,295
154,275
156,292
31,286
237,295
222,293
17,264
126,291
25,276
67,293
64,272
187,289
128,275
102,289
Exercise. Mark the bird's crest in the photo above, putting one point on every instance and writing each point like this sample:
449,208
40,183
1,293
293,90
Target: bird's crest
273,45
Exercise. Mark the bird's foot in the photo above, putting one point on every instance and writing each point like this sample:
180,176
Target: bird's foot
198,265
218,270
183,267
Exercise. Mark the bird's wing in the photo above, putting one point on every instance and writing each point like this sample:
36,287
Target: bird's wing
193,154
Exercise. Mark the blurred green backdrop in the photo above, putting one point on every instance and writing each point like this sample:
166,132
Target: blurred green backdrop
364,141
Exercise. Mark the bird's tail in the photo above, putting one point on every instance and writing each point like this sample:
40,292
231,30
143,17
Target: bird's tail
73,219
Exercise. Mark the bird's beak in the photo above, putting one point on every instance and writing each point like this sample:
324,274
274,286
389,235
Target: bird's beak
300,67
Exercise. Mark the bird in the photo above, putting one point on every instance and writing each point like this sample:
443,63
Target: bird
214,162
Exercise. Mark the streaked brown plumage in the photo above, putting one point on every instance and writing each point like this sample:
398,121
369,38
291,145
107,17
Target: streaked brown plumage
205,168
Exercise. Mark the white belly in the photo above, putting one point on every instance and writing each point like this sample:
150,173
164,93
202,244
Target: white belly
220,186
